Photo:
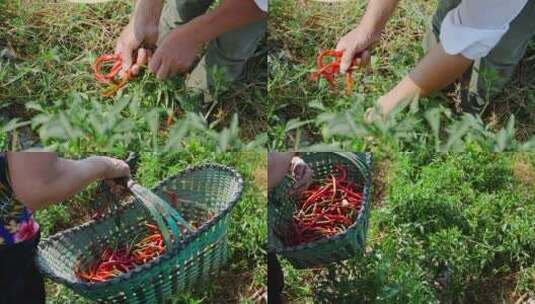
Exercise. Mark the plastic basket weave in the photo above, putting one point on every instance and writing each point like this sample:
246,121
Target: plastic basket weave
211,188
326,250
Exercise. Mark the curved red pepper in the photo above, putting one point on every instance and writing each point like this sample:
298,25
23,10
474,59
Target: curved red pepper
329,70
327,208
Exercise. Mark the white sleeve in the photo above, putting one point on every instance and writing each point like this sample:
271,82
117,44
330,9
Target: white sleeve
475,26
262,4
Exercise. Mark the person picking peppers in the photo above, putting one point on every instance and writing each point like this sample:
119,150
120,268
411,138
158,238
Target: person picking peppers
169,38
470,40
280,164
32,181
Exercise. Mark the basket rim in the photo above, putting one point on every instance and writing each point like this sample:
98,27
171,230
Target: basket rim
366,193
160,259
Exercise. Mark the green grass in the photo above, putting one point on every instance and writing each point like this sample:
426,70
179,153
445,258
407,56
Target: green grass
243,276
305,113
445,228
46,80
49,98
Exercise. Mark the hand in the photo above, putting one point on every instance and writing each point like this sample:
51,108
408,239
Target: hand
385,105
302,174
114,168
381,110
131,41
175,54
359,40
371,115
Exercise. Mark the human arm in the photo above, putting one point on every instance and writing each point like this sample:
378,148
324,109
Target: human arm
466,34
435,71
140,35
39,179
282,163
179,48
366,33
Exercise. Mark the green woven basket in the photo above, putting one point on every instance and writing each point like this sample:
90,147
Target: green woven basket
326,250
207,188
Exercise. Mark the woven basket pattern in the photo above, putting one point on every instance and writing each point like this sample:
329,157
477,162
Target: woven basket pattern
326,250
207,188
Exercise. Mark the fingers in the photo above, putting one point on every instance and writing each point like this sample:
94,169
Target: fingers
341,45
119,47
114,187
364,59
126,54
369,115
164,68
163,71
300,186
141,60
155,62
116,168
307,176
372,114
347,60
158,66
299,172
121,170
354,44
303,178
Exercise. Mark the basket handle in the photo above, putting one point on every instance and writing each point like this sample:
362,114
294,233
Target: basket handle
166,217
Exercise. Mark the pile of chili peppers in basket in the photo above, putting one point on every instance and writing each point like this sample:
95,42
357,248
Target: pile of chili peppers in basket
113,263
331,69
327,208
116,62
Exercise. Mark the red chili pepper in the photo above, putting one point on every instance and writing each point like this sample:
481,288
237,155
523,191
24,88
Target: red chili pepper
110,78
329,70
113,263
327,208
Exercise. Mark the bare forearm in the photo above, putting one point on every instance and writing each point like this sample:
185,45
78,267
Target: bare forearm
230,15
68,177
278,164
146,17
377,14
434,72
148,11
438,69
41,178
